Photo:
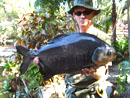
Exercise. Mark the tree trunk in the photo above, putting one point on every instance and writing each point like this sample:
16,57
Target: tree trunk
113,22
128,8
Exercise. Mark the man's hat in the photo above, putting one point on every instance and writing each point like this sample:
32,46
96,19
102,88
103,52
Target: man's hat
88,4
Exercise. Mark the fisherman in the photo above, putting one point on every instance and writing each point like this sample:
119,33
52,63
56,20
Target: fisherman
92,83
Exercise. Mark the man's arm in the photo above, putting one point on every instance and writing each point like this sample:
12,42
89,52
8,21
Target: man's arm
99,73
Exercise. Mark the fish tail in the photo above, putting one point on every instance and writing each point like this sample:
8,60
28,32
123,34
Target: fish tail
27,58
22,50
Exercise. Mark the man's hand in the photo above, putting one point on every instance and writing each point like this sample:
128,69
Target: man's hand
99,72
88,70
36,61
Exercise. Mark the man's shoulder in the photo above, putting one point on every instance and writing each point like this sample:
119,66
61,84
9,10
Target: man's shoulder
102,35
97,32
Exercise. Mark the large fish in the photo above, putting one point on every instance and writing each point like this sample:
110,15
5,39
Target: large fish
68,54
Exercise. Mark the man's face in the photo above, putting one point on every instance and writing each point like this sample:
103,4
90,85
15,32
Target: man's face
83,16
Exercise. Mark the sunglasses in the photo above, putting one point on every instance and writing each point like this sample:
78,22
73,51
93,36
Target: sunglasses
84,12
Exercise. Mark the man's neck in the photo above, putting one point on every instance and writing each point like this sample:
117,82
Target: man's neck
86,29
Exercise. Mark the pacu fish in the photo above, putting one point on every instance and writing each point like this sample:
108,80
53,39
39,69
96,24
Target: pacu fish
68,54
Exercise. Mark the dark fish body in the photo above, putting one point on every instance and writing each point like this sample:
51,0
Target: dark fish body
68,54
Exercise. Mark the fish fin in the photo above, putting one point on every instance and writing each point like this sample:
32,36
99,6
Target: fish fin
57,38
44,71
27,60
95,55
22,50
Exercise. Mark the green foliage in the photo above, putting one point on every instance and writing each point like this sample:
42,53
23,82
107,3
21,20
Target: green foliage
121,47
10,72
32,29
8,16
107,22
39,27
36,27
34,77
50,4
124,68
104,20
6,85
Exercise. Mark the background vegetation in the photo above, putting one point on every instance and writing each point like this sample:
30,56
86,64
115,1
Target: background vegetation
34,23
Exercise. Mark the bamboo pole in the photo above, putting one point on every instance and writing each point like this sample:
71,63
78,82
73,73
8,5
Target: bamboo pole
114,15
128,9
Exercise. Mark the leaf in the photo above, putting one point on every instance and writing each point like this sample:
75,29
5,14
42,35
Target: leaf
124,65
18,41
23,42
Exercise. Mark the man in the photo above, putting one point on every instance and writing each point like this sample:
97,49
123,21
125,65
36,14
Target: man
84,86
83,12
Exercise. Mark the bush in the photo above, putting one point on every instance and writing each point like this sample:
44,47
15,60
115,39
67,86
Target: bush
121,47
34,30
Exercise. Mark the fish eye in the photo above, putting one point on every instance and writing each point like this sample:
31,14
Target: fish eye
108,52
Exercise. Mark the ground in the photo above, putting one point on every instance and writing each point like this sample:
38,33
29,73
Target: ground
113,74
